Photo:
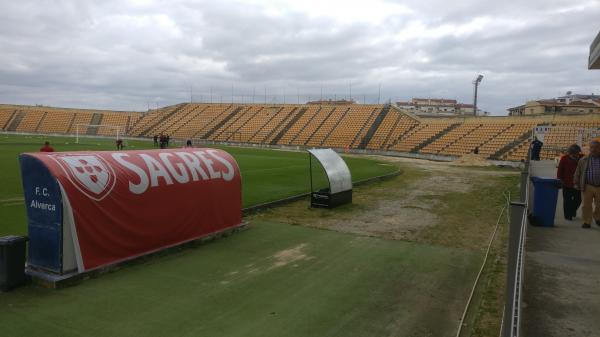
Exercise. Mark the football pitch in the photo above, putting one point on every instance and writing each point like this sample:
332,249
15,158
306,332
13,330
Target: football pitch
267,175
294,271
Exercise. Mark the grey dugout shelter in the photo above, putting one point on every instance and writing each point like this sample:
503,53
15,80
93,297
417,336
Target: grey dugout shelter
339,191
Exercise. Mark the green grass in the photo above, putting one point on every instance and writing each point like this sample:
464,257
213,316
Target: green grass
274,279
271,280
266,174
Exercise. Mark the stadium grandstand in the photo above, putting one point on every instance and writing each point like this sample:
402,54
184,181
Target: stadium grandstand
381,128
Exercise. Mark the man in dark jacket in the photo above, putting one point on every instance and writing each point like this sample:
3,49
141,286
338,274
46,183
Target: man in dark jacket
536,148
565,173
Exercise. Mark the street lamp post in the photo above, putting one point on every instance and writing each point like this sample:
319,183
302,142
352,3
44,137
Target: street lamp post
476,84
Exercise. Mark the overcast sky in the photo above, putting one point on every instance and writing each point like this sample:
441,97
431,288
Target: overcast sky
127,55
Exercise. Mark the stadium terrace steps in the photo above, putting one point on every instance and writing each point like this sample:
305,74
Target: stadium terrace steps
281,123
14,123
407,133
179,132
367,138
5,117
209,119
474,137
71,123
307,119
264,126
321,122
364,128
138,122
37,127
387,138
96,120
127,124
349,127
153,128
434,137
166,122
230,131
79,121
224,133
178,117
384,131
372,127
450,138
519,152
335,124
55,121
493,136
291,121
498,154
320,119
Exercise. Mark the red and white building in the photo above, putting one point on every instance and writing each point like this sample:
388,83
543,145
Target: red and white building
434,107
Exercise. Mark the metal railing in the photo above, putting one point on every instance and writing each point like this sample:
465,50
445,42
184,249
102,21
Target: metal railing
511,325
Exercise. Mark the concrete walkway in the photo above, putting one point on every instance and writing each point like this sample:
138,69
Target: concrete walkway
562,275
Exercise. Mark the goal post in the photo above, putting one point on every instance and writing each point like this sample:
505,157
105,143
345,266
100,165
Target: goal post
101,130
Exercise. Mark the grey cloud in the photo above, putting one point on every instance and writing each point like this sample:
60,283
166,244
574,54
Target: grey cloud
119,55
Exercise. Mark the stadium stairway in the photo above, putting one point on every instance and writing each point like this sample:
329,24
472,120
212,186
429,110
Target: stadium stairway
406,133
71,123
139,121
367,138
387,137
96,120
231,123
363,132
153,126
434,138
7,120
319,126
13,123
303,127
266,122
195,113
174,121
508,147
222,122
281,125
337,123
37,127
288,125
208,126
494,135
126,124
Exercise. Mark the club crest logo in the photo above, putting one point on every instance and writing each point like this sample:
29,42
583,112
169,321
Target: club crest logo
90,174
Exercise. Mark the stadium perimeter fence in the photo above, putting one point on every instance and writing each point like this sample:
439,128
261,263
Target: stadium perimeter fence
511,323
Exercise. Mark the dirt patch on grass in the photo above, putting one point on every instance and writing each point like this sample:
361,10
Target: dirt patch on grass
432,202
471,160
287,256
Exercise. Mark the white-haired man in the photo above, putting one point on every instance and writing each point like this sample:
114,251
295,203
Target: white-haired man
587,180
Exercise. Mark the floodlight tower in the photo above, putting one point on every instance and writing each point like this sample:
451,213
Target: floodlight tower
476,82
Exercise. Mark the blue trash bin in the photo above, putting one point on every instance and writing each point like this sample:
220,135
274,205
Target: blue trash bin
545,195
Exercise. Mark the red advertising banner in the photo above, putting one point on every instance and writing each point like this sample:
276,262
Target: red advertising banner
129,203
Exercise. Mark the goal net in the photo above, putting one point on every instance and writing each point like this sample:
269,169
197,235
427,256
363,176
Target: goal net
86,132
